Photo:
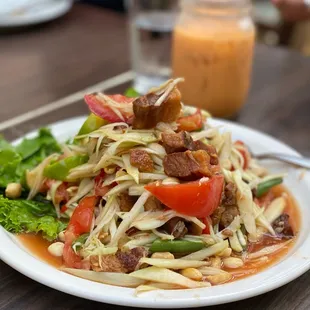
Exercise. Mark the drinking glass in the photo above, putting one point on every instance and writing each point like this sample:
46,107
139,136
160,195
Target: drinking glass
151,25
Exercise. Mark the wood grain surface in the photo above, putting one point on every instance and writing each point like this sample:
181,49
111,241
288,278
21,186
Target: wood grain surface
89,45
47,62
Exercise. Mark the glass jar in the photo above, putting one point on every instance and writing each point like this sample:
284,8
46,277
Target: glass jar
213,44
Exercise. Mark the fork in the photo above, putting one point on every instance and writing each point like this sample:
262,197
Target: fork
302,162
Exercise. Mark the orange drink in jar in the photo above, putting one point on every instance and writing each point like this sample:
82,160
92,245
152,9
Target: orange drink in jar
213,44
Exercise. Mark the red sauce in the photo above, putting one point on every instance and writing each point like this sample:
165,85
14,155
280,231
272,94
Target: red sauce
38,246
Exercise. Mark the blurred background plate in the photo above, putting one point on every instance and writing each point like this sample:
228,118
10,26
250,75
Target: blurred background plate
18,13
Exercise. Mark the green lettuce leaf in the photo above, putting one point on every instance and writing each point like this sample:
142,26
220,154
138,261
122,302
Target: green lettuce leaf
29,216
9,163
43,144
4,144
28,154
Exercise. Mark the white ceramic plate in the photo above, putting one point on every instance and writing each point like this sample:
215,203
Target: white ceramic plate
16,13
292,266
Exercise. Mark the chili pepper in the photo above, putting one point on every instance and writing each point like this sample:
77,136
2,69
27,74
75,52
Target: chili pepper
264,187
92,123
59,170
176,246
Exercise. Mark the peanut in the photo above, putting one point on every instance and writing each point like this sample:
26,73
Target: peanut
56,249
13,190
61,236
226,253
216,262
192,273
219,278
163,255
233,262
208,240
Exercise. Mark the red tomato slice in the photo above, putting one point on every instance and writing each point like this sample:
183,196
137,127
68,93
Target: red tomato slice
191,122
82,216
101,108
245,154
71,259
80,223
61,194
101,190
207,221
63,209
198,198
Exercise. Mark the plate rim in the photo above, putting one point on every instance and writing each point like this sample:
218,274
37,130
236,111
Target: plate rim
61,8
154,299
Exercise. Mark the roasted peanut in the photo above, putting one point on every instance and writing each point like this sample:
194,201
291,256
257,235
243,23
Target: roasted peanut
216,262
208,240
163,255
233,262
61,236
226,253
192,273
56,249
219,278
13,190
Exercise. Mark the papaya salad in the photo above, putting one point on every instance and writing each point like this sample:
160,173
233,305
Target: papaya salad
147,195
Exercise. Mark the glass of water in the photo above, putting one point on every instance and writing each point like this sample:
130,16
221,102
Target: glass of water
151,25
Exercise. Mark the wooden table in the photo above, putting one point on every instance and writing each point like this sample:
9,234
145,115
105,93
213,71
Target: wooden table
89,45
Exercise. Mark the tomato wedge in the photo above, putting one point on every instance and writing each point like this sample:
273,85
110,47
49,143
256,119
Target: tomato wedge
245,153
100,107
199,198
191,122
207,221
100,189
82,216
80,223
61,194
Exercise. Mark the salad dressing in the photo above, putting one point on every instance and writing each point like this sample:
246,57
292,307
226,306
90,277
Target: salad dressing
38,246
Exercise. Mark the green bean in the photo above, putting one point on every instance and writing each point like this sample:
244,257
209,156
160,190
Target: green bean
264,187
176,246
